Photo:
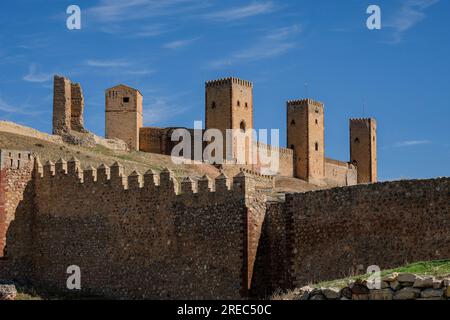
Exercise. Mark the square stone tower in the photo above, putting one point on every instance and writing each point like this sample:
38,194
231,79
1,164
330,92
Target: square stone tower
68,106
123,114
305,135
62,104
229,105
363,148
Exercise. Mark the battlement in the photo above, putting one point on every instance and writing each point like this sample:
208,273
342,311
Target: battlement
361,120
164,185
228,81
304,103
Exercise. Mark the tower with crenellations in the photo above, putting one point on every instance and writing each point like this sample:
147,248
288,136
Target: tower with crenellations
363,148
305,135
229,105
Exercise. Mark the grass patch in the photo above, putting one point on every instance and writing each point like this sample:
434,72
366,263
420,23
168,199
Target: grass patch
438,269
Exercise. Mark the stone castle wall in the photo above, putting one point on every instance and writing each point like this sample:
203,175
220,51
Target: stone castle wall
134,237
15,172
155,237
338,173
329,234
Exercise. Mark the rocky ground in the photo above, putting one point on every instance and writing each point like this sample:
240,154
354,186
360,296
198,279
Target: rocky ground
432,284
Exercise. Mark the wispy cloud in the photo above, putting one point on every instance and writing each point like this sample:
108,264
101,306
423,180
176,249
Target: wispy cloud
410,14
140,72
273,44
14,109
250,10
120,10
177,44
35,76
159,109
151,31
410,143
107,63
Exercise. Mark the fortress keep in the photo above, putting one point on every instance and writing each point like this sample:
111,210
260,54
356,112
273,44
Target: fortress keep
229,105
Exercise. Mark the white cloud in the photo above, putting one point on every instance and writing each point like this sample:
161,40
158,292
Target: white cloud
253,9
409,15
273,44
107,63
141,72
35,76
161,109
177,44
121,10
13,109
410,143
151,31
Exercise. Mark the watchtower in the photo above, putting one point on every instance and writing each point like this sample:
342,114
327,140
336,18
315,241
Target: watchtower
229,105
123,114
305,135
363,148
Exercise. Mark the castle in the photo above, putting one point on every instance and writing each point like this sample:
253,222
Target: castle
229,105
158,236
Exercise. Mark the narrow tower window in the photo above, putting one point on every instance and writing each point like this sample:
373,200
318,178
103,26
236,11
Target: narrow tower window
238,103
213,105
126,99
242,125
246,105
357,140
316,146
293,123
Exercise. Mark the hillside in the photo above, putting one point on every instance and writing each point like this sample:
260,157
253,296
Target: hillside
51,147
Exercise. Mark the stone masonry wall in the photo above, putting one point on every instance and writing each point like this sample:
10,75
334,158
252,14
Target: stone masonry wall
15,172
68,106
386,224
339,173
77,100
135,237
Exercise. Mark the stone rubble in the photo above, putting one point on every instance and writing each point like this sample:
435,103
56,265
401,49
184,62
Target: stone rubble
403,286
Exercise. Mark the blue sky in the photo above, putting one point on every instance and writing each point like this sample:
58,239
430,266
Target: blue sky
167,49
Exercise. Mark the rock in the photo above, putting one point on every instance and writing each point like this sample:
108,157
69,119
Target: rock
318,297
432,293
437,284
395,285
407,293
423,282
303,293
360,297
315,291
429,298
383,294
447,292
346,293
406,278
7,290
344,298
359,287
391,277
331,293
385,285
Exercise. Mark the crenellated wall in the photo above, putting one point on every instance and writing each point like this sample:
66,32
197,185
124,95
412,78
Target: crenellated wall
153,236
142,236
